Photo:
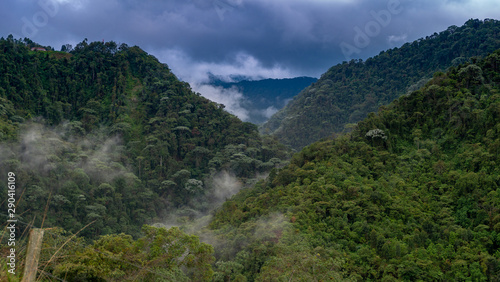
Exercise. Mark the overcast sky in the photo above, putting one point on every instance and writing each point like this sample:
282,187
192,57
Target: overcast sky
270,38
256,38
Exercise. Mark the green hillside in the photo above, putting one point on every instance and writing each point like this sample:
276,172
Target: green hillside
105,142
107,133
411,194
347,92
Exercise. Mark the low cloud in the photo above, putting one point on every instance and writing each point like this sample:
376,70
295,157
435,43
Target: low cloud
231,98
235,102
40,148
397,39
224,185
271,227
269,112
241,65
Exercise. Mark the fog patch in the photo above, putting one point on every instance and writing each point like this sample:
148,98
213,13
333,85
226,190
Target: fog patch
224,185
41,148
271,227
231,98
269,112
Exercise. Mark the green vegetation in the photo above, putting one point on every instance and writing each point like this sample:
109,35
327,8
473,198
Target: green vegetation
347,92
412,194
105,140
108,133
159,255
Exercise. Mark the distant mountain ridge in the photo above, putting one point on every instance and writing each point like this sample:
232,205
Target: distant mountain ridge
347,92
266,96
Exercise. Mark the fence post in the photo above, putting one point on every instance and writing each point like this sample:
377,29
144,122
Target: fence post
33,254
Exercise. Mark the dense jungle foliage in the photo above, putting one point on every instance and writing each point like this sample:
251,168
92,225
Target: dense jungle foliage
411,194
106,133
347,92
158,255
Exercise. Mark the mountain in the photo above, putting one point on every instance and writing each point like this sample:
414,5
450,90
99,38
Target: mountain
104,148
107,134
265,97
412,193
347,92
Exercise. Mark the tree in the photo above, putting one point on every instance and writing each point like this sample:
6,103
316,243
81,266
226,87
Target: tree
193,186
67,48
471,74
161,254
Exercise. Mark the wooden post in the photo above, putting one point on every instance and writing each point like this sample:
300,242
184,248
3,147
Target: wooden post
33,254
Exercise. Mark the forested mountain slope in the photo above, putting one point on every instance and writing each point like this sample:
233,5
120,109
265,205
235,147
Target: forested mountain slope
347,92
106,133
412,194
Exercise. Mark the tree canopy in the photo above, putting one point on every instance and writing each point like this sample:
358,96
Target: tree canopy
347,92
108,133
412,193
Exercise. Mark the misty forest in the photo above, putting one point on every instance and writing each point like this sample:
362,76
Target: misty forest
381,170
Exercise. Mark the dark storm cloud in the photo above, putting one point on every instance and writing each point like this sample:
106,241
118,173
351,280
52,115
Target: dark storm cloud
281,37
